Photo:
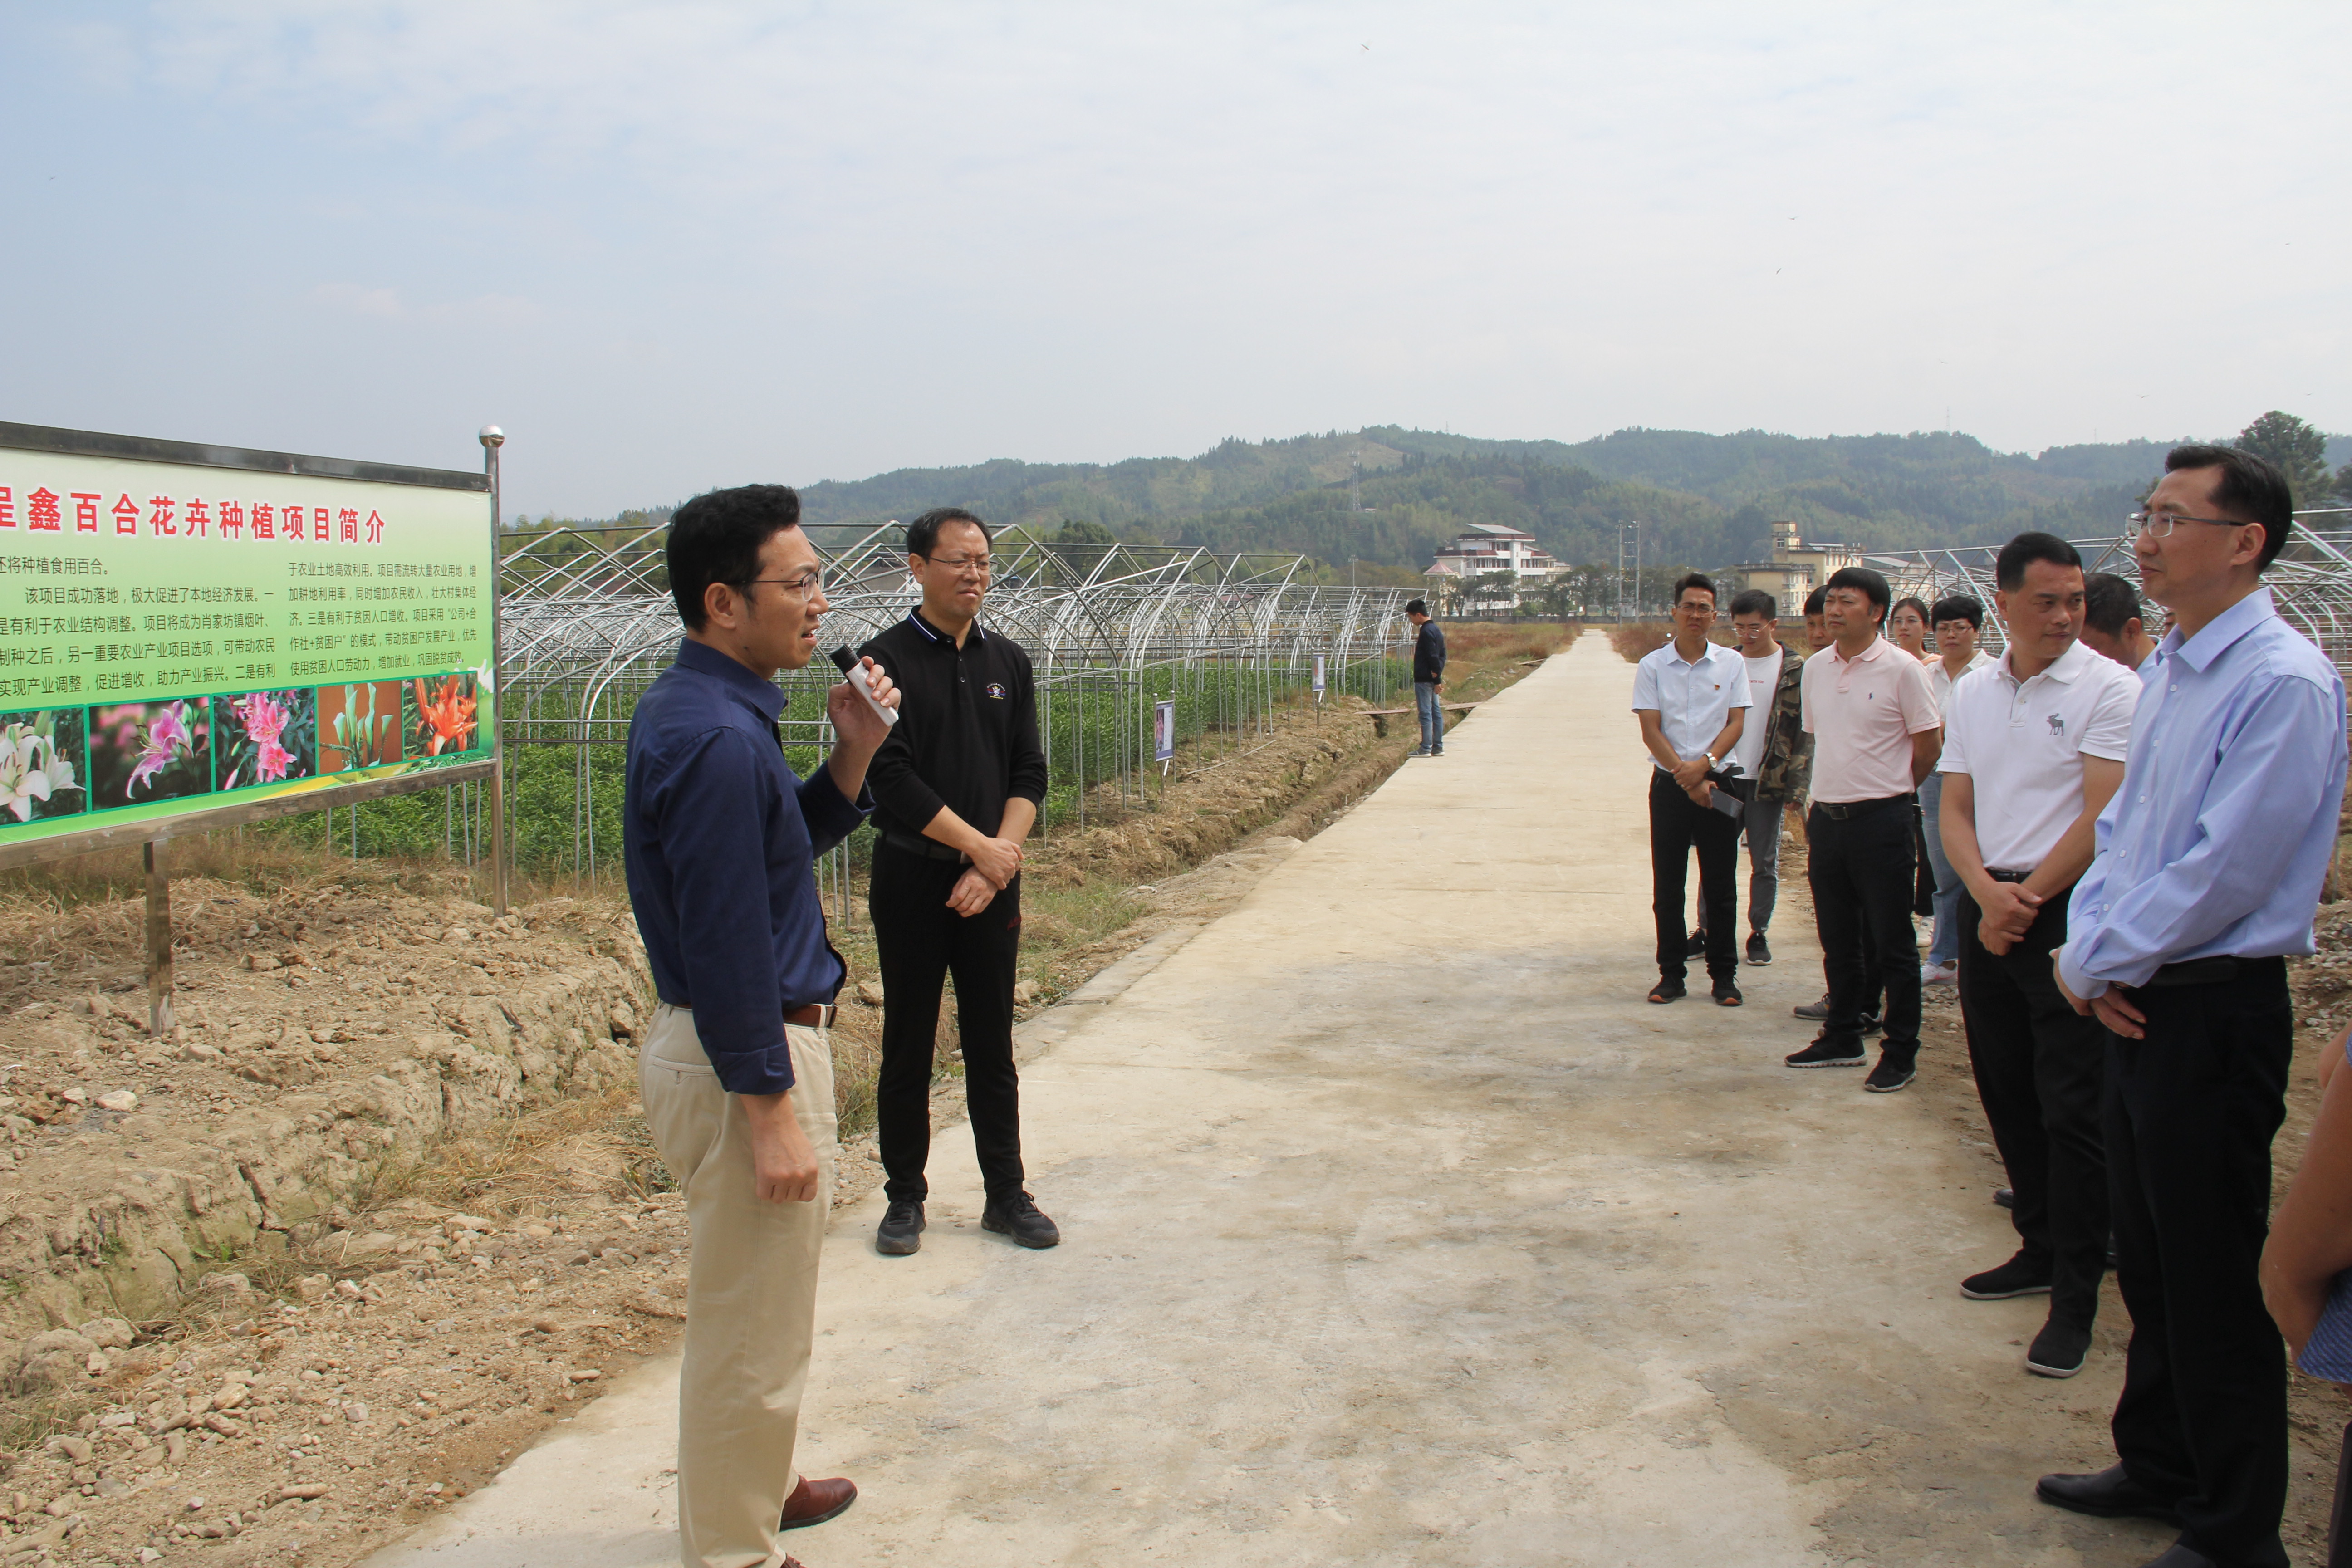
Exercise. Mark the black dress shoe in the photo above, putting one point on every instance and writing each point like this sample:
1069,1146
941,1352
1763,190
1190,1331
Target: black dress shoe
901,1231
2108,1494
2004,1197
1018,1217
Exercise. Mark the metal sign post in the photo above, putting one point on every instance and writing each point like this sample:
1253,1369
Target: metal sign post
492,439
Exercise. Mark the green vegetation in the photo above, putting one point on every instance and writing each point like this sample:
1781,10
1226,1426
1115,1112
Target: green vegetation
1705,500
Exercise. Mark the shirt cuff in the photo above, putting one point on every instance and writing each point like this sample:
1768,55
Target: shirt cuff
768,1071
2080,983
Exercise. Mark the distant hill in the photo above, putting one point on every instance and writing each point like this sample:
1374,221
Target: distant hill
1703,499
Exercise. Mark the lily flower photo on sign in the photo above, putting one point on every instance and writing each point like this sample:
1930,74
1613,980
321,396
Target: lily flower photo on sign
358,726
268,737
143,751
439,715
42,764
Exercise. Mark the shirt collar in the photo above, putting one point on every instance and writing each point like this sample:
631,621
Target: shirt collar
2199,651
1878,649
703,659
1708,652
936,635
2062,669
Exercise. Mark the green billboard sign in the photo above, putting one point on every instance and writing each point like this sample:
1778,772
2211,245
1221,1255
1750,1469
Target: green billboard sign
191,632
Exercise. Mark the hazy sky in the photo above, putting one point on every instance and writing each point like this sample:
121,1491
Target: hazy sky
669,246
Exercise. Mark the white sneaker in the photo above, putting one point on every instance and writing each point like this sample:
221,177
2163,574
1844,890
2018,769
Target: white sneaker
1940,974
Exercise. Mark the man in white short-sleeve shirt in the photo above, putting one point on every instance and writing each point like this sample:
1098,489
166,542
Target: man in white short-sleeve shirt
1875,735
1691,697
2034,748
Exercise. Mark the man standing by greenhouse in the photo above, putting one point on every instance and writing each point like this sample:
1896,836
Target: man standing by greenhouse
720,841
956,790
1428,677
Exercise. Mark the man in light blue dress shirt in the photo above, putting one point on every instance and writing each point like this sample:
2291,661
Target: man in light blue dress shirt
2209,866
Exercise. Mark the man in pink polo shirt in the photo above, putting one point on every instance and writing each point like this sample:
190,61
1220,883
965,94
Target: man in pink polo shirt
1868,706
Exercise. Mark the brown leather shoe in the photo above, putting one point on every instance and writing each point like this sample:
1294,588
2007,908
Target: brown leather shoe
813,1503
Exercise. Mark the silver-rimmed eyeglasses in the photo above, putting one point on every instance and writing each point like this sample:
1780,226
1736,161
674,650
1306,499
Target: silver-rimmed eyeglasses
2159,524
975,565
802,587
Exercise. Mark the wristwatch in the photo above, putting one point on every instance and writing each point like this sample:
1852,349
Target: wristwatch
1711,764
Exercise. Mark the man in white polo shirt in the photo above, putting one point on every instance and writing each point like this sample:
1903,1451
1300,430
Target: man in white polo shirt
1691,697
1875,735
2034,748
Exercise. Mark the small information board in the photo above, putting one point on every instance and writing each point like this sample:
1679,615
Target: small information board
1164,730
1318,678
188,630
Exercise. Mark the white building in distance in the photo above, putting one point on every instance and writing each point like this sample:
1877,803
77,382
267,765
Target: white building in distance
1484,548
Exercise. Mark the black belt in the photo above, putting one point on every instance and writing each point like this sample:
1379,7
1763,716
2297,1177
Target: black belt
1845,810
927,848
811,1015
2197,971
2006,876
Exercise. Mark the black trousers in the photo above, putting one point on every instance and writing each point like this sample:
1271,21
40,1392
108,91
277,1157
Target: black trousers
2191,1112
2041,1067
1861,869
920,942
1678,825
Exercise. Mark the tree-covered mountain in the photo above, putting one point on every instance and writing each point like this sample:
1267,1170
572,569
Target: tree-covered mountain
1387,497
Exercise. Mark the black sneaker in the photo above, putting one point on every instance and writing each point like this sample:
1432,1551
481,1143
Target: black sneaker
1814,1012
1696,947
2058,1351
1871,1026
1669,990
2021,1276
1758,953
2006,1198
1018,1217
1826,1052
901,1231
1889,1075
1726,994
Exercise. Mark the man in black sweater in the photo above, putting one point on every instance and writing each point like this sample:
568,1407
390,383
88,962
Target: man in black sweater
956,790
1428,679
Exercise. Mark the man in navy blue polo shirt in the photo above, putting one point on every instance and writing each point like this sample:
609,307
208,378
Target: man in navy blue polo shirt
736,1074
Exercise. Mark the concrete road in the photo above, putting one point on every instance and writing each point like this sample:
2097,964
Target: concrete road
1401,1230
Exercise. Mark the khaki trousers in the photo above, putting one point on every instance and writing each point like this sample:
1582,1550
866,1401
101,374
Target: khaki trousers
750,1299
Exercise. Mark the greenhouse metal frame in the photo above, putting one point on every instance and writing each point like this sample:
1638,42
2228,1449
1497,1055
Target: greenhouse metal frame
1110,630
2311,582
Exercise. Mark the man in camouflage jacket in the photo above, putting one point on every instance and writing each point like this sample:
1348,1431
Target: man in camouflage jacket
1777,756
